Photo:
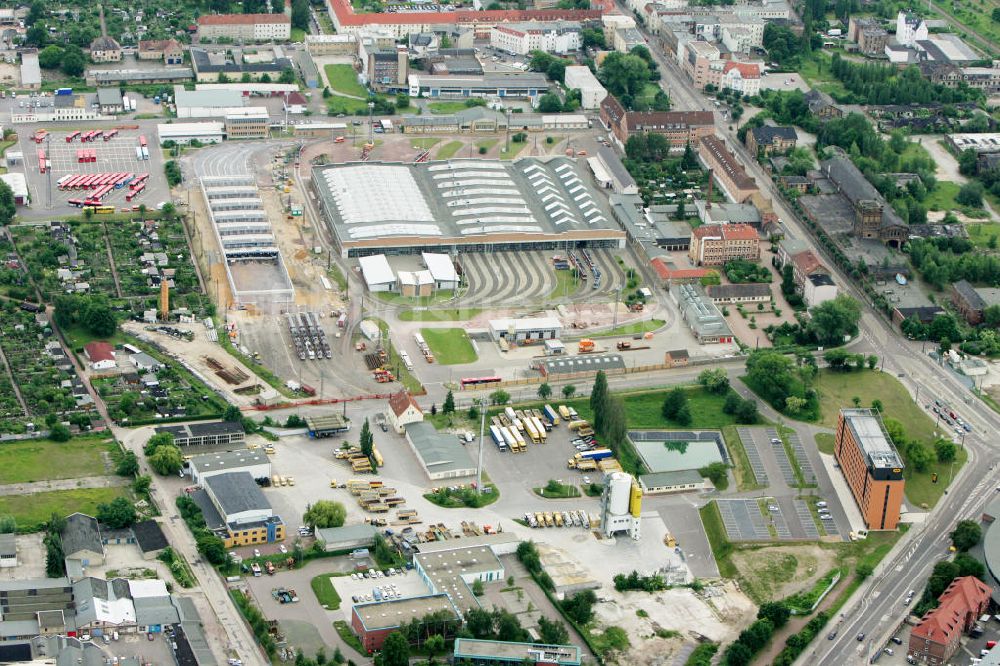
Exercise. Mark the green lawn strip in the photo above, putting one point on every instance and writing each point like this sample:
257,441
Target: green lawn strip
77,337
446,108
403,376
344,79
348,106
762,504
346,635
31,460
424,144
566,491
981,233
919,488
512,150
711,519
298,35
837,389
635,328
783,432
644,409
802,602
415,301
33,510
825,442
463,497
487,143
745,478
325,593
566,284
450,346
456,314
448,150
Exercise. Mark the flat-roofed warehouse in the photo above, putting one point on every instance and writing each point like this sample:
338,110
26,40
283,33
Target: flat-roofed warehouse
463,205
206,433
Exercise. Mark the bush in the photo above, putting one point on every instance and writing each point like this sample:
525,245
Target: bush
580,607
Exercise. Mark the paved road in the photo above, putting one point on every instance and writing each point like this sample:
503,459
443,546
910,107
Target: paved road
876,606
225,628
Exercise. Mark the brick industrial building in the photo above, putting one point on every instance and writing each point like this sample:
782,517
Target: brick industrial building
716,244
731,174
936,638
871,465
679,127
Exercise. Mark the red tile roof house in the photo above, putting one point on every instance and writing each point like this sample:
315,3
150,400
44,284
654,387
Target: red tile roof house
936,638
100,354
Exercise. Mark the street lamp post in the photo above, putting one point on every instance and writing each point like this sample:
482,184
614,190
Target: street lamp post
371,127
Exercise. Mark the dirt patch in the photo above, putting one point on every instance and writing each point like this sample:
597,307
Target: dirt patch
680,615
775,572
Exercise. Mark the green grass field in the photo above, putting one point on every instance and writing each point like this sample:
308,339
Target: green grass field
448,150
644,409
298,35
942,197
450,346
566,284
487,143
424,144
344,80
825,442
325,593
418,301
980,234
816,72
836,390
446,108
32,511
632,329
27,461
745,478
457,314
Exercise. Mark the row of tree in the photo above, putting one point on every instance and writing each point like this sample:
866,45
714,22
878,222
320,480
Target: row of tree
872,83
771,616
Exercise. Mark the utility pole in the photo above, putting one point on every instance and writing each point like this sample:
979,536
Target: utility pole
618,297
371,127
479,468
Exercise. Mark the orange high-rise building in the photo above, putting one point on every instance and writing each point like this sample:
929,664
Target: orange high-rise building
871,465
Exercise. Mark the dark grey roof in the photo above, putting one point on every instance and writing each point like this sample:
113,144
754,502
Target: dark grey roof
726,291
81,533
766,134
149,536
853,185
969,295
614,163
817,99
8,545
105,44
236,492
202,63
821,279
203,428
109,96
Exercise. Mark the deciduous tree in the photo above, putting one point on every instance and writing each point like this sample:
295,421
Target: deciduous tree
325,513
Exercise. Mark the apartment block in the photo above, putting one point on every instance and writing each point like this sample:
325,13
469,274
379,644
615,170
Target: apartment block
523,38
871,465
245,27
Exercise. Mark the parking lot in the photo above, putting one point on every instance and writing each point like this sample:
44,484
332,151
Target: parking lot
115,155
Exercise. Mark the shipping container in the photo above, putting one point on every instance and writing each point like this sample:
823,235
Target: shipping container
596,454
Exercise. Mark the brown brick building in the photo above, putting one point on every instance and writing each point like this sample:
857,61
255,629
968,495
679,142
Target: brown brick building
936,638
871,465
768,139
716,244
679,127
728,170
